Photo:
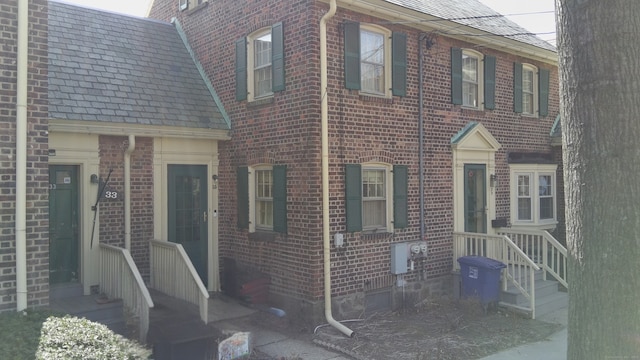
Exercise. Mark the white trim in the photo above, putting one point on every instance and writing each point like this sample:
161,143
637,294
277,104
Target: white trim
82,151
534,171
476,147
479,78
534,96
168,151
386,38
251,64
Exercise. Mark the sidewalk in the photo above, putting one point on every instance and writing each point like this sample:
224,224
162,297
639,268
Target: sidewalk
555,348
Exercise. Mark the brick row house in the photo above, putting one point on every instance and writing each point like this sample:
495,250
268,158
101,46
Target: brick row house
334,147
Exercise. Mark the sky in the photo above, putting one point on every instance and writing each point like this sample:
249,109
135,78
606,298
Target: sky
536,16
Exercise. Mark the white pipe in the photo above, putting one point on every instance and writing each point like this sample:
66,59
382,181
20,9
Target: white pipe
324,111
21,155
127,192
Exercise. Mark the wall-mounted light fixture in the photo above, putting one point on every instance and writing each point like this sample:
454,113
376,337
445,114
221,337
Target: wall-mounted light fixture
493,181
94,179
215,177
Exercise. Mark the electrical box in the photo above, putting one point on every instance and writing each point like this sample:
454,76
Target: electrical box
399,258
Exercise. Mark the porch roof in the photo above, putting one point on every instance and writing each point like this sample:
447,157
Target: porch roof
113,68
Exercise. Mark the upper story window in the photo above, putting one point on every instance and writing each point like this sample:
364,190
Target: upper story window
190,4
260,64
472,79
533,198
375,60
530,90
262,198
376,197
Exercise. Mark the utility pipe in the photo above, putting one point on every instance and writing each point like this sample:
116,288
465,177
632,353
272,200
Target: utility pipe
421,179
21,154
127,192
324,114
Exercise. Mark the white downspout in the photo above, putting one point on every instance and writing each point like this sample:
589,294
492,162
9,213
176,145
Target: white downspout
324,111
127,192
21,154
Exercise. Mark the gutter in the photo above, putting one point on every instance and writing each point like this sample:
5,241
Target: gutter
21,154
421,38
324,114
127,192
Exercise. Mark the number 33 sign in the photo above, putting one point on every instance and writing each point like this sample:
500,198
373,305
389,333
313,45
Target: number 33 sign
111,194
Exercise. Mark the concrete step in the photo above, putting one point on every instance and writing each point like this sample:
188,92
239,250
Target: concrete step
543,288
109,312
66,290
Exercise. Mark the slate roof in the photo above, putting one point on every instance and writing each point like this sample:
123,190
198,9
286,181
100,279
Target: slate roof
475,14
115,68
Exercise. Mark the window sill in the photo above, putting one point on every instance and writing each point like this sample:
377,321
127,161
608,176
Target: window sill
381,99
530,116
380,234
267,100
534,226
262,235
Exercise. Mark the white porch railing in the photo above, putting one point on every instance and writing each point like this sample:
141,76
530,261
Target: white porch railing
173,274
519,271
544,250
120,278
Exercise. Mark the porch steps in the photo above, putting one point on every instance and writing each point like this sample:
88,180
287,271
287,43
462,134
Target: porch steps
549,298
69,299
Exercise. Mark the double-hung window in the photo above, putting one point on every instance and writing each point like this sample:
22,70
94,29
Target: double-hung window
262,198
260,64
190,4
530,90
376,197
472,79
375,60
533,199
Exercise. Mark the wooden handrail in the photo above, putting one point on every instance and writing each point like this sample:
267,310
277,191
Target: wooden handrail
120,278
173,274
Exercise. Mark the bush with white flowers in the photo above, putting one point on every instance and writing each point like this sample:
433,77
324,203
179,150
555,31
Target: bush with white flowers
75,338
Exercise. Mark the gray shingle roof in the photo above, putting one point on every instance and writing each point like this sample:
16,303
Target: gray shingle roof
115,68
475,14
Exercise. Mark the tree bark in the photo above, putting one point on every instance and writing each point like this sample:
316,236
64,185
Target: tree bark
599,60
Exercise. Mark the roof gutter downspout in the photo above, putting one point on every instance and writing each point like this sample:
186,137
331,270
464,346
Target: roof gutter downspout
21,154
324,114
421,39
127,192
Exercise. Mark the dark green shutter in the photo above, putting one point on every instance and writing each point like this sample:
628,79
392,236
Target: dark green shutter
277,57
399,60
517,87
543,92
242,196
353,195
241,69
489,82
456,76
280,198
352,55
400,184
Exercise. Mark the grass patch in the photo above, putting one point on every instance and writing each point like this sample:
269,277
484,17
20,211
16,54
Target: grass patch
20,333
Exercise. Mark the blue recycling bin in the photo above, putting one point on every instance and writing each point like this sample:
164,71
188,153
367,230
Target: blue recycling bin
480,278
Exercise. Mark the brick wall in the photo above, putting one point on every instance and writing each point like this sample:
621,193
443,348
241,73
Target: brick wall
361,129
112,230
37,153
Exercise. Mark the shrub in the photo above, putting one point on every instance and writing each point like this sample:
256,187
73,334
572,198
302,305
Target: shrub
75,338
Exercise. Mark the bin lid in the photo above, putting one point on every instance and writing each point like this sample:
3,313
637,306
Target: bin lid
481,261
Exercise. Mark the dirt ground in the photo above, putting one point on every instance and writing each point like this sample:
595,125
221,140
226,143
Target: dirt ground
443,330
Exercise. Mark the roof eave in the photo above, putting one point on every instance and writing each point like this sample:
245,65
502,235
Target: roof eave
424,22
120,129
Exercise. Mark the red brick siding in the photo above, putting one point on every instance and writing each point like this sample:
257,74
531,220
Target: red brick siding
287,131
112,229
37,230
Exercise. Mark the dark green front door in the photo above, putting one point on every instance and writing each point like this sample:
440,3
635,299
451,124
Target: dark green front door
63,224
475,198
188,213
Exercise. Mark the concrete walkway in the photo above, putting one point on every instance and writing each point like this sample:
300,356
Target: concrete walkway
554,348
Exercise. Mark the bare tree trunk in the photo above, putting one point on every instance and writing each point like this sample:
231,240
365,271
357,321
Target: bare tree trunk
599,49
